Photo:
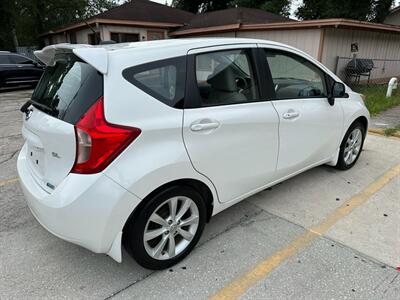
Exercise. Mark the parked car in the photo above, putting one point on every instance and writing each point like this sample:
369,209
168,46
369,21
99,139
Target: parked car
144,142
16,69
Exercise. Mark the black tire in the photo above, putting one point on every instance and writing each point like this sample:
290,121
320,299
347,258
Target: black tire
341,164
134,235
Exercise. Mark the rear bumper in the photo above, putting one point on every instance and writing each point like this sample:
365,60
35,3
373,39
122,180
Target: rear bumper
88,210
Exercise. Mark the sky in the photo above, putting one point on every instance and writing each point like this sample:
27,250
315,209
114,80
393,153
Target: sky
295,5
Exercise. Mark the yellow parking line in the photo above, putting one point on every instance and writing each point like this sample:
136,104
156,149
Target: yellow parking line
240,285
8,181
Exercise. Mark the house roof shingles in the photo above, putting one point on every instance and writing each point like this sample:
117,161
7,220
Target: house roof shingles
238,15
146,11
150,14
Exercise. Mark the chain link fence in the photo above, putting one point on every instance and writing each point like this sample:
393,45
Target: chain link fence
370,77
27,51
359,72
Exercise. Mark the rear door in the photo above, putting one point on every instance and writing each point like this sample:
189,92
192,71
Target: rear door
26,69
310,127
230,133
64,93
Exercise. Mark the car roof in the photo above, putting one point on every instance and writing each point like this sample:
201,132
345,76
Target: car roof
187,43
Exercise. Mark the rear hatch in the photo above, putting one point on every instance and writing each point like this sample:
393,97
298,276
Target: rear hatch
67,89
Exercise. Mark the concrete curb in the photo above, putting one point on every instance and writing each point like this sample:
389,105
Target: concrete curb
380,131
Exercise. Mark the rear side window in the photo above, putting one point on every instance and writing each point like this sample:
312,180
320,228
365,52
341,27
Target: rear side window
163,80
226,77
68,89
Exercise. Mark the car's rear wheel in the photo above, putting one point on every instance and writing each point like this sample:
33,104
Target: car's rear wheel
167,228
351,146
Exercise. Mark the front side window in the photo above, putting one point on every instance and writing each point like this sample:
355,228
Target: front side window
294,76
225,77
164,80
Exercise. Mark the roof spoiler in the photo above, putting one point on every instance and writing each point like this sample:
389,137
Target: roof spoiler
95,56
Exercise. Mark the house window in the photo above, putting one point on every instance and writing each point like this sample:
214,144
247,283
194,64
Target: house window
155,35
120,37
94,40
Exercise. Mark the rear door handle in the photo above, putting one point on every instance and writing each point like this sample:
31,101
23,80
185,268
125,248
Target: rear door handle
291,115
204,126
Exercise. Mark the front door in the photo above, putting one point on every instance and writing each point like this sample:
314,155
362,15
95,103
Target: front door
230,134
310,127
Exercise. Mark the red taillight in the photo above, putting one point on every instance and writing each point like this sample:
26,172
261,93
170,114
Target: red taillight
99,142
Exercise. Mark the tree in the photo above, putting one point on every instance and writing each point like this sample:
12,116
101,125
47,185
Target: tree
7,8
280,7
94,7
201,6
30,18
364,10
381,9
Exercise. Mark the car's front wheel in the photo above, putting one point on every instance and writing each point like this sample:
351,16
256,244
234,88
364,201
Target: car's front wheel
351,146
167,228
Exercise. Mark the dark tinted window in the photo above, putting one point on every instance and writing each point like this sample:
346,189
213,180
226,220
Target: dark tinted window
4,59
124,37
164,80
226,77
21,60
68,88
294,76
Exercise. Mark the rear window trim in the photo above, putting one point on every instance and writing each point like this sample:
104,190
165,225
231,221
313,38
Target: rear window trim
178,61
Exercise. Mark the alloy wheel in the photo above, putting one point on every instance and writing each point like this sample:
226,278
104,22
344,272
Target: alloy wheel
353,146
171,228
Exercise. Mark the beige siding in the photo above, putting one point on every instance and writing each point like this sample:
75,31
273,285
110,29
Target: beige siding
107,29
303,39
373,45
222,34
82,35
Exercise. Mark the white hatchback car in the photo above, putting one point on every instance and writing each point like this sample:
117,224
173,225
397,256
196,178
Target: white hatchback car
144,142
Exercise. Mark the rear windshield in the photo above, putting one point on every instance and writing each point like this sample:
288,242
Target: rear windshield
67,89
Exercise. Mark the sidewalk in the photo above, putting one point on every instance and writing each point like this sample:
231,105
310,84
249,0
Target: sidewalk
387,119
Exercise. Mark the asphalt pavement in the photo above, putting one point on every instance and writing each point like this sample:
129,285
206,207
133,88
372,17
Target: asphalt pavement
324,234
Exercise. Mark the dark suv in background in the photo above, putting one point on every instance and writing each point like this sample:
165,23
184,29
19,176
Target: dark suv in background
16,70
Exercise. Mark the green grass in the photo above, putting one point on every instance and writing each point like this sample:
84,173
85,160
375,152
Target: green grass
391,131
376,100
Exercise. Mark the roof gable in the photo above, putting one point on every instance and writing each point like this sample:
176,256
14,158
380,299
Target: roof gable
146,11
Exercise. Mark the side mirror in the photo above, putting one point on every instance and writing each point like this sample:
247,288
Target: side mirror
338,91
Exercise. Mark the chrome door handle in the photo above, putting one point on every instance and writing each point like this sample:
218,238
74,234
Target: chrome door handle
291,115
204,126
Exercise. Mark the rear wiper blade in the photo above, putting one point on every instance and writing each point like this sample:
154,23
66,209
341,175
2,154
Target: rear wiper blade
24,108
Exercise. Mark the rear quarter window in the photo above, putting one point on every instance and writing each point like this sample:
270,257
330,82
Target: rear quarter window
69,88
163,80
